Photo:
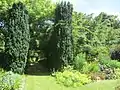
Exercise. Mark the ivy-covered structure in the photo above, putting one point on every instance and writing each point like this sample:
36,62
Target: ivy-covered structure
17,38
60,47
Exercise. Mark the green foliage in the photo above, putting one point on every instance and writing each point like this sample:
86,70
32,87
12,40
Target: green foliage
71,78
34,7
115,47
61,44
40,12
38,9
109,63
93,33
79,61
17,38
106,29
103,50
83,32
90,67
91,53
2,72
39,42
10,81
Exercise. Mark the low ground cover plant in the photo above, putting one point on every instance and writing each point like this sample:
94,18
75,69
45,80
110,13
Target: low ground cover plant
70,77
11,81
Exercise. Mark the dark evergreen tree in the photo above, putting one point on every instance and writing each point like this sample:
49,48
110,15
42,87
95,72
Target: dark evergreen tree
17,38
61,43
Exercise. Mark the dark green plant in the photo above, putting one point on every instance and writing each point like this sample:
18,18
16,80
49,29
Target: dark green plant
61,44
17,38
115,52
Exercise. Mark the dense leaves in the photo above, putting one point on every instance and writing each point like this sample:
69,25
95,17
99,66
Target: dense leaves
61,47
17,38
91,34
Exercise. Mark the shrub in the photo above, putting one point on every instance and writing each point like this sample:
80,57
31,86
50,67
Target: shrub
103,50
110,63
10,81
91,52
91,68
70,77
79,61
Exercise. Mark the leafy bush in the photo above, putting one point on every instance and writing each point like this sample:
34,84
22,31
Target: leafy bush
79,61
90,68
10,81
91,52
103,50
110,63
70,77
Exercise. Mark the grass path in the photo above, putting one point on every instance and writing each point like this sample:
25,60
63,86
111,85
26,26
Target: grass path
48,83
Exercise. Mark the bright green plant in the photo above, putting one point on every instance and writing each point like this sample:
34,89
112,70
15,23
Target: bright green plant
17,38
79,61
90,67
71,78
109,63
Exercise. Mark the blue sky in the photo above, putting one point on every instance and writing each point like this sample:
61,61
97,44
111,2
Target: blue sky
96,6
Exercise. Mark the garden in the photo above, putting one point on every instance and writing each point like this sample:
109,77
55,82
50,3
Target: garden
49,46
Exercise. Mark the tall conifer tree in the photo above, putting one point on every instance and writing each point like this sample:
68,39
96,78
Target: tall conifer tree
61,44
17,38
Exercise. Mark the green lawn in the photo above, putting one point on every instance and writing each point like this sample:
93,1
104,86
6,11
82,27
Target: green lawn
48,83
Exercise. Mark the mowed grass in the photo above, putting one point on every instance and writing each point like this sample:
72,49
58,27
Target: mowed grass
48,83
